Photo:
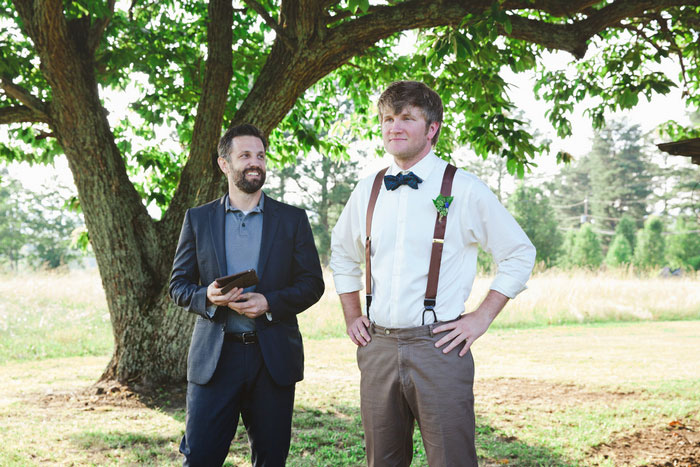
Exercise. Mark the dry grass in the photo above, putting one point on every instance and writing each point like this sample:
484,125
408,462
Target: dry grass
53,314
568,297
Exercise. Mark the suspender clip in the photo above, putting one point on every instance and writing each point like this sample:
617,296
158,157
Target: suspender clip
438,240
429,306
368,302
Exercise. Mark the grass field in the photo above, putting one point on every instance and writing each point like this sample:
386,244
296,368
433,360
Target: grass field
619,384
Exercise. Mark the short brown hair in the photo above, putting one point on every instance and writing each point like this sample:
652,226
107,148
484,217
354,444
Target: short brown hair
399,94
226,142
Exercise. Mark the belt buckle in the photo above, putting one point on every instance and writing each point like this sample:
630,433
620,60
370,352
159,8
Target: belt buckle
248,337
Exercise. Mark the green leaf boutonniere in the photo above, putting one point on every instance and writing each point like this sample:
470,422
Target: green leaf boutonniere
442,204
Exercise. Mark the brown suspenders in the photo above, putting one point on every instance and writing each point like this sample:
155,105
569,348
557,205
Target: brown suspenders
438,240
368,240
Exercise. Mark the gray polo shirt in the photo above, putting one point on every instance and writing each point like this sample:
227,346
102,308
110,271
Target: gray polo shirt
243,234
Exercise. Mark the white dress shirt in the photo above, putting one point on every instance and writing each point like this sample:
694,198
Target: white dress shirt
402,232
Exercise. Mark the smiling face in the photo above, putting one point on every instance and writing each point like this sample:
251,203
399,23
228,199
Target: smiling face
406,134
245,165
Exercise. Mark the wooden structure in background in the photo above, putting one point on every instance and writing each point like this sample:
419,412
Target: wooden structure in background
686,147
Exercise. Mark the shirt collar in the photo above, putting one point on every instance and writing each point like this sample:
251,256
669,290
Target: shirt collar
258,208
423,168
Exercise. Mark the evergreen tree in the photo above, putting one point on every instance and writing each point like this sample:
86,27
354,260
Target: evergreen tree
566,259
51,227
570,190
35,226
620,175
649,252
627,227
320,185
12,220
587,252
533,212
619,253
683,246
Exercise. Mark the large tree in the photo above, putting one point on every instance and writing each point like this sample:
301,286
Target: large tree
199,67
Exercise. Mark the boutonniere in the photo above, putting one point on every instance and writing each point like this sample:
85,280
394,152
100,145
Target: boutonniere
442,204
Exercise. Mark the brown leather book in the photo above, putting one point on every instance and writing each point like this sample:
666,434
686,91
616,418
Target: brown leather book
241,279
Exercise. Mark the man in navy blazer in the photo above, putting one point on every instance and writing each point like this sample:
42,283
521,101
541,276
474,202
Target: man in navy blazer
246,352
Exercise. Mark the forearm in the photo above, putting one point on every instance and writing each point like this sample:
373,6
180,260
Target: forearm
351,306
490,307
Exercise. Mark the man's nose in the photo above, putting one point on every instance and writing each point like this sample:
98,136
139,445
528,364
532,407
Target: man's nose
395,127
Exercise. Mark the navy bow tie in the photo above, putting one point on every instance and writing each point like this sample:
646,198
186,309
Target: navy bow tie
392,182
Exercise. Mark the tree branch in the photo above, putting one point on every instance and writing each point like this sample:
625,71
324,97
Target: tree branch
571,37
98,29
557,8
260,10
199,180
21,114
22,95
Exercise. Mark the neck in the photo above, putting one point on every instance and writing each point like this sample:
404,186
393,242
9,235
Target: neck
407,163
242,200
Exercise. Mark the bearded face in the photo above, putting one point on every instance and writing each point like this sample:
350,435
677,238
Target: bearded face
250,179
245,165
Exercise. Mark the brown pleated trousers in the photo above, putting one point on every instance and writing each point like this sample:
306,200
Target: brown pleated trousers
405,378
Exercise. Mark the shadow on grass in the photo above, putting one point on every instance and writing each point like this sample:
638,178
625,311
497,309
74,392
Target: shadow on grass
128,447
494,448
333,436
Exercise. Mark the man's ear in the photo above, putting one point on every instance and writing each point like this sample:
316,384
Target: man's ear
432,129
223,164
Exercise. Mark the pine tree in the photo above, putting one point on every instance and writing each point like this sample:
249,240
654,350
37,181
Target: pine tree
683,246
619,253
587,252
627,227
569,191
620,175
649,252
533,212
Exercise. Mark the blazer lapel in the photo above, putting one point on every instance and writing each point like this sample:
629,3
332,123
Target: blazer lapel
270,223
218,229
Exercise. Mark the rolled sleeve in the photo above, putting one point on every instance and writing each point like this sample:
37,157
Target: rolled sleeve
347,248
499,234
346,283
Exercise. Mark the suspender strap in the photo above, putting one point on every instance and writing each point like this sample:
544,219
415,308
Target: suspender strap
368,241
438,239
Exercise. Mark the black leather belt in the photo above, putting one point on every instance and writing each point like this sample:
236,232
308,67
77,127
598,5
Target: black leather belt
250,337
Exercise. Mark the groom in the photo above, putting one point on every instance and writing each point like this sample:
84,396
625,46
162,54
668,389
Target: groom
426,219
246,352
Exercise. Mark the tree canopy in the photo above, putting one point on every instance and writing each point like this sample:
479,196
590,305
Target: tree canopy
193,68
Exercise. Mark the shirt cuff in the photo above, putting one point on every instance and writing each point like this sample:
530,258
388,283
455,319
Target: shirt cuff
508,286
268,315
210,310
345,283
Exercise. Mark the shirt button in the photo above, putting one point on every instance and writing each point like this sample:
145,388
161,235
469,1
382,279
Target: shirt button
244,224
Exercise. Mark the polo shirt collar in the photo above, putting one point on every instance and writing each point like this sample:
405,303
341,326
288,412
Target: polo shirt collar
258,208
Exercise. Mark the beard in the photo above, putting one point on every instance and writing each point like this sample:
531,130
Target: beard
249,186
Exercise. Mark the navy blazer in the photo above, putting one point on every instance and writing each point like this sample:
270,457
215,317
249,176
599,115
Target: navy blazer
290,279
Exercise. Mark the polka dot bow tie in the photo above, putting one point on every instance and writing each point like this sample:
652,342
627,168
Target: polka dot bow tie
392,182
